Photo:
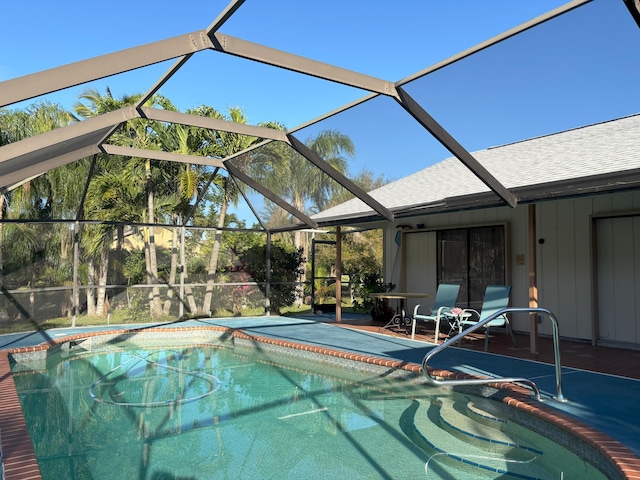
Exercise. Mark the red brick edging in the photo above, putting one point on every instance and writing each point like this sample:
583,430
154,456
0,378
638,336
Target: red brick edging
18,455
20,461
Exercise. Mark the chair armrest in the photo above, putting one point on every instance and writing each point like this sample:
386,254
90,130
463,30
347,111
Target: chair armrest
442,311
415,311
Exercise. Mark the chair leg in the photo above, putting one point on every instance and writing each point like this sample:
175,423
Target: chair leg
513,338
508,327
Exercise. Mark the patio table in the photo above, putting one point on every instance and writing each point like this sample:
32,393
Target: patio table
400,319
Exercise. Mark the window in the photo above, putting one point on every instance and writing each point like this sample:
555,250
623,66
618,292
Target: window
474,258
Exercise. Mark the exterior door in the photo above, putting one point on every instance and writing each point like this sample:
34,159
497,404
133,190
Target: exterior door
474,258
618,274
420,266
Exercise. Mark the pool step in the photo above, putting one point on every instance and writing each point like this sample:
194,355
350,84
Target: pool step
477,409
480,428
478,449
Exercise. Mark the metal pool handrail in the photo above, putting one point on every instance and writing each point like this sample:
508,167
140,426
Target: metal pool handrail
481,381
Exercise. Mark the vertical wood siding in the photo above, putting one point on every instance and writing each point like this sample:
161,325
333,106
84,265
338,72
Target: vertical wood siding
566,284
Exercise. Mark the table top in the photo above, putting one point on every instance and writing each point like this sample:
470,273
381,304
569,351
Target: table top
399,295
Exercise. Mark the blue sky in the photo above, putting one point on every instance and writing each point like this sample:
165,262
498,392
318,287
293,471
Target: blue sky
576,70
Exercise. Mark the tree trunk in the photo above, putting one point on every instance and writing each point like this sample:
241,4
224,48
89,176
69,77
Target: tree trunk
298,203
119,254
91,293
103,269
66,240
156,305
147,267
152,272
172,274
191,301
213,261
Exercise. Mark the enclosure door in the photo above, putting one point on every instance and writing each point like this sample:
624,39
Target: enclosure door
618,273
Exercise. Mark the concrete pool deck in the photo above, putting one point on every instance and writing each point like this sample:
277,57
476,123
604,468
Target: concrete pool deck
605,402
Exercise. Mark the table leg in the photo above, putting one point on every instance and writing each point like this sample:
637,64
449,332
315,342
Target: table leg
393,322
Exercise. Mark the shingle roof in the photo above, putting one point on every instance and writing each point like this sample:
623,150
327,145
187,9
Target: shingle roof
595,150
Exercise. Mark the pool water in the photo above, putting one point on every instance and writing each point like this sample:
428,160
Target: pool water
214,412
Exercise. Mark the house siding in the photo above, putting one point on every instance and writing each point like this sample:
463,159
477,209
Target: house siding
618,280
566,259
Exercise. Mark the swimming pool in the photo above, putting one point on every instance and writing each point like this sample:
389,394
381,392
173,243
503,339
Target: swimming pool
134,408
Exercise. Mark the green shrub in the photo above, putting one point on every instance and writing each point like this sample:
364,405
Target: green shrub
286,266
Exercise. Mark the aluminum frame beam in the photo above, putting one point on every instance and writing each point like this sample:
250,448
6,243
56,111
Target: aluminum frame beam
217,23
225,15
270,195
249,203
288,61
36,155
451,144
67,133
212,123
9,180
319,162
77,73
160,155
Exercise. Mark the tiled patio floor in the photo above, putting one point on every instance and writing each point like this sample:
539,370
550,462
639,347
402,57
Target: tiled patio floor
615,361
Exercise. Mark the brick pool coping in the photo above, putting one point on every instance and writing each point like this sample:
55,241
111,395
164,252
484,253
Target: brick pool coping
18,459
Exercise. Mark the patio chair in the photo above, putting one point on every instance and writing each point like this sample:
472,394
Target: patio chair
445,300
496,297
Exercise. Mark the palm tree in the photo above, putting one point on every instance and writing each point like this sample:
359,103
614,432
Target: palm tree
296,179
111,196
139,173
101,199
188,180
229,143
155,198
47,196
11,122
176,139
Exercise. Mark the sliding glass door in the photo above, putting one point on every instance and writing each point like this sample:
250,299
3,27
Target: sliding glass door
474,258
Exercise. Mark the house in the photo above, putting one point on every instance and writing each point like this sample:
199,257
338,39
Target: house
571,245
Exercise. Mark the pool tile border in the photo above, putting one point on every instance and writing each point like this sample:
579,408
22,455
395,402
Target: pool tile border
17,457
18,460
